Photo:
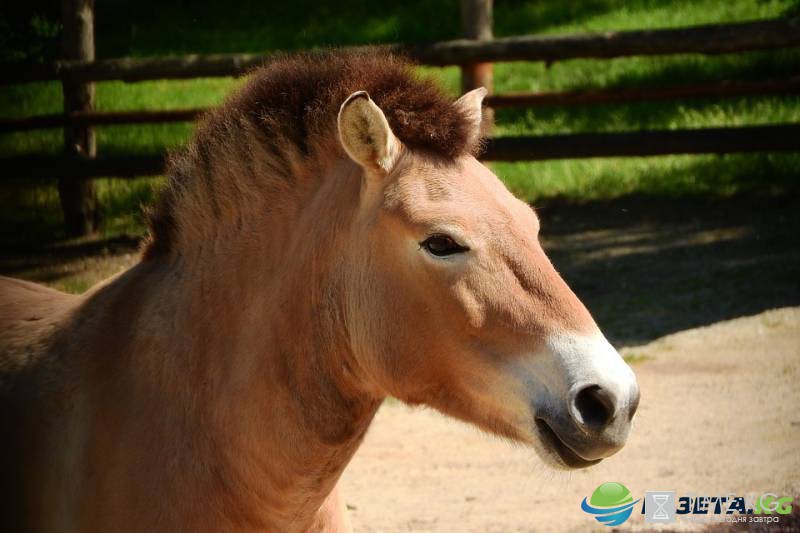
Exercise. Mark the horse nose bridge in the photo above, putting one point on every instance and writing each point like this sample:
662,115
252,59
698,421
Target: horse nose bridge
533,269
590,358
549,294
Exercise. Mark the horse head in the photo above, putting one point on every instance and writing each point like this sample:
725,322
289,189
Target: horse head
453,303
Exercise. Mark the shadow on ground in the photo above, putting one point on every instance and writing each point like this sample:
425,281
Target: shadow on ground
648,267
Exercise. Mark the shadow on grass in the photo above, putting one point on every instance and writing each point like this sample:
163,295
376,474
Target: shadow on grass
257,26
147,28
31,215
522,18
129,28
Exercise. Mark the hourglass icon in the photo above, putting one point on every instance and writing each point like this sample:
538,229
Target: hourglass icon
659,507
660,501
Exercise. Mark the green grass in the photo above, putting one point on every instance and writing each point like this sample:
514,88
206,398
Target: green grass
202,27
634,358
670,176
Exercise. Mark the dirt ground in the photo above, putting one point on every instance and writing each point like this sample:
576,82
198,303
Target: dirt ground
668,281
719,414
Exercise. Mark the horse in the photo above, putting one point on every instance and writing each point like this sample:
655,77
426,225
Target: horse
326,239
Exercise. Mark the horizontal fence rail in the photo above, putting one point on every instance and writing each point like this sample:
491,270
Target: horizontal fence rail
114,166
784,137
725,89
533,148
97,118
709,39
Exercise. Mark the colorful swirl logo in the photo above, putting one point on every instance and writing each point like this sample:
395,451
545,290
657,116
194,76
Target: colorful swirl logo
610,503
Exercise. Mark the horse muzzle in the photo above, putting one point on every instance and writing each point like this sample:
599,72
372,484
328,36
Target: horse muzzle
585,405
596,425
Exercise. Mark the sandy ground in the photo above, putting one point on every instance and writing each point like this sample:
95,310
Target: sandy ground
719,413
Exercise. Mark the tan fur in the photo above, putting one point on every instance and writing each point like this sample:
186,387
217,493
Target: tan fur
223,383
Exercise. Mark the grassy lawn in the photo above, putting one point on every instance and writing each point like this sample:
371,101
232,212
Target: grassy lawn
130,28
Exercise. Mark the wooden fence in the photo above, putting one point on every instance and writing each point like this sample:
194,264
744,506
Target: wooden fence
475,54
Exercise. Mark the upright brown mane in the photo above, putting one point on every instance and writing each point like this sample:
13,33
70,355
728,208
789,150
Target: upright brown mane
290,105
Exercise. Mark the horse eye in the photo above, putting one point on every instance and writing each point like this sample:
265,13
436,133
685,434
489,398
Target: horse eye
442,245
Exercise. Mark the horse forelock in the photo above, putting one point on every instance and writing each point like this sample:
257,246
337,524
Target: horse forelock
289,108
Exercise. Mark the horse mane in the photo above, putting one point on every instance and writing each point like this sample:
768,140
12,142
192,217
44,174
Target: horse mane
286,112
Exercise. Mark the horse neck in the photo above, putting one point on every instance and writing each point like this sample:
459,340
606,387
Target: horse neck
257,362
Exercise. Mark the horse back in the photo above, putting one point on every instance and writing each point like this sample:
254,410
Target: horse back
28,315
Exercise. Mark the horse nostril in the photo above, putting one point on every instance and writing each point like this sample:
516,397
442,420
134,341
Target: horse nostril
634,404
595,405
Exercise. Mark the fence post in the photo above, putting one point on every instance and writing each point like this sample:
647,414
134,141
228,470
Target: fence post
78,196
476,23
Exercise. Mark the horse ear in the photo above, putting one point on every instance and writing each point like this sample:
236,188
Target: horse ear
470,105
365,133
